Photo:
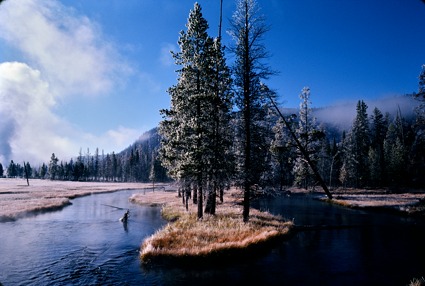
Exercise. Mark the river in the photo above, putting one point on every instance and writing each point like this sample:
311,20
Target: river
82,244
353,247
86,244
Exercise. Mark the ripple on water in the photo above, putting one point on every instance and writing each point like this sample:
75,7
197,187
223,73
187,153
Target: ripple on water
83,244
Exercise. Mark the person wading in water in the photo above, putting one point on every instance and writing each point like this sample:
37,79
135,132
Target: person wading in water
125,217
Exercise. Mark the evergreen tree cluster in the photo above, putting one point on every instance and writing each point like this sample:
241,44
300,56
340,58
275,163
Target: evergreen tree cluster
137,163
213,133
195,134
378,151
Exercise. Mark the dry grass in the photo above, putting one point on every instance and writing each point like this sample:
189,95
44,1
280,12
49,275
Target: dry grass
408,203
390,200
188,237
156,198
18,199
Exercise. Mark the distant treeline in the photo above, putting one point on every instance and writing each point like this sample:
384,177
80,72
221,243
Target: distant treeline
379,150
137,163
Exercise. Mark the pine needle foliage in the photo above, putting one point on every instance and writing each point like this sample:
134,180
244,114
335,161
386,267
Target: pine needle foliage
195,134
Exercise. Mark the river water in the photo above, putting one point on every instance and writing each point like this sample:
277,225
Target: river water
85,244
353,247
82,244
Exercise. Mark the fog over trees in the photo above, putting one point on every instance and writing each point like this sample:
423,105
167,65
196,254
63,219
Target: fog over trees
221,130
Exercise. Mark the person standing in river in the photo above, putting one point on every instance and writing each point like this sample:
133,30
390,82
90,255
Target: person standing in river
125,217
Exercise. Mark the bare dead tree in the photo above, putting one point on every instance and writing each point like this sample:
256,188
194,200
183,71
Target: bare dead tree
303,152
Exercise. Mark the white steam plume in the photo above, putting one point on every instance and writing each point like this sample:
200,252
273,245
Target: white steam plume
61,54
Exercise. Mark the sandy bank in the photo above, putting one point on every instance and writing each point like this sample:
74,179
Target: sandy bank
18,199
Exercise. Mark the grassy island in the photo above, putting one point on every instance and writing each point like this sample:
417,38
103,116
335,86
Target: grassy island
186,237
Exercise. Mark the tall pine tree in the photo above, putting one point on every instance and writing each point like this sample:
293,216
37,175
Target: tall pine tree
220,165
248,29
360,144
309,137
379,128
194,131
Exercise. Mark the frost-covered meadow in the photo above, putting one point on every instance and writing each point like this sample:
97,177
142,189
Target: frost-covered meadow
408,202
17,199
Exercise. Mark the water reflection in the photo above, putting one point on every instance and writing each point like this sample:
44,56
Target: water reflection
370,249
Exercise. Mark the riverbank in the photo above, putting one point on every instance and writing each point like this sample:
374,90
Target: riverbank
411,204
406,202
187,238
17,199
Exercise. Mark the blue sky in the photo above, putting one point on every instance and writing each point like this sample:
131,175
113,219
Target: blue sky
94,74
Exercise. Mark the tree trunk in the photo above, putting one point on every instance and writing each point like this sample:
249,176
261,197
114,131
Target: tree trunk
200,206
195,195
26,174
247,118
187,195
211,201
304,153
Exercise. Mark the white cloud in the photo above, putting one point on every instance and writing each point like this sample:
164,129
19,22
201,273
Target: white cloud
113,140
31,131
66,56
68,49
122,136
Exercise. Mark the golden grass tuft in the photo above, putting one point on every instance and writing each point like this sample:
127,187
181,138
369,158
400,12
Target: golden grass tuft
219,234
